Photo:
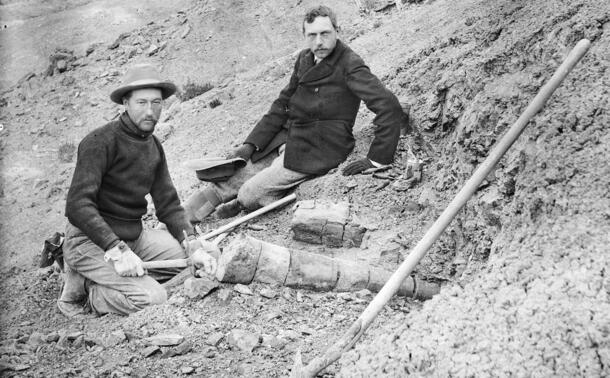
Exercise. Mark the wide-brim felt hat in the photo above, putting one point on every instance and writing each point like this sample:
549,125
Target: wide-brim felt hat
215,169
142,76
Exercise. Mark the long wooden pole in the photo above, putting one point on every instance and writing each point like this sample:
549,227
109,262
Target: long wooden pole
404,270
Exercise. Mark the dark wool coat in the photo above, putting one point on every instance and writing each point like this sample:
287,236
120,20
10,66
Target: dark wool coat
315,113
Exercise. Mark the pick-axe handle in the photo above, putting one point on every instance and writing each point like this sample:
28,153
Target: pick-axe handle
161,264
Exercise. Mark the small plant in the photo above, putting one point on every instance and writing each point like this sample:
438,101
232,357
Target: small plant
66,152
214,103
192,90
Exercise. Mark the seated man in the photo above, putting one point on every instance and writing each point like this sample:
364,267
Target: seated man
118,164
308,130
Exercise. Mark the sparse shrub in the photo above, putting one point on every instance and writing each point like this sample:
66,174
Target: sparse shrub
66,152
214,103
192,90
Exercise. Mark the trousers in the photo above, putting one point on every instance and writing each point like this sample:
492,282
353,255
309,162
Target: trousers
261,183
109,292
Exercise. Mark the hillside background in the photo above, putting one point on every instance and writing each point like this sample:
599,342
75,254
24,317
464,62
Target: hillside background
524,266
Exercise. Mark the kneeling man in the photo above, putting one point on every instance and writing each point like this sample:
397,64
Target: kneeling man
118,164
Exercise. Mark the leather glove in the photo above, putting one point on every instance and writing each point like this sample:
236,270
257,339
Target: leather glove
126,263
357,167
202,259
244,151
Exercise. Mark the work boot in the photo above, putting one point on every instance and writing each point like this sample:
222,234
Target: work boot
228,210
201,204
73,296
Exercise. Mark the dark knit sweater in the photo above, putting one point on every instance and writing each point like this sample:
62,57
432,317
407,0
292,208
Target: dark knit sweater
117,165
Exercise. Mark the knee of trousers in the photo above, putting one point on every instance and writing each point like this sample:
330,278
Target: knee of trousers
156,295
250,196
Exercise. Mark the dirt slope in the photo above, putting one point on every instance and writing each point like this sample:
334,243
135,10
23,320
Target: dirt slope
523,264
540,306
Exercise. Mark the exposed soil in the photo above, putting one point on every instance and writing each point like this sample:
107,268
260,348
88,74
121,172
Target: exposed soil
524,266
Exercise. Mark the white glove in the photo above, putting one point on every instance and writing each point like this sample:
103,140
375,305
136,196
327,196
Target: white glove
195,244
126,263
201,259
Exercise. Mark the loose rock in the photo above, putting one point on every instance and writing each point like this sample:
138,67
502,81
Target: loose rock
268,293
199,287
169,339
149,351
243,340
243,289
214,339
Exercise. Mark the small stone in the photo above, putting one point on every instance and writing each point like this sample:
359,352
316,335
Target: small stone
289,334
412,207
306,330
351,184
214,339
169,339
36,338
187,370
115,338
20,367
149,351
92,341
126,361
243,340
199,287
272,315
177,299
185,31
287,293
74,335
61,65
273,342
183,348
347,297
209,353
268,293
299,296
243,289
152,50
78,342
63,342
224,295
130,335
363,294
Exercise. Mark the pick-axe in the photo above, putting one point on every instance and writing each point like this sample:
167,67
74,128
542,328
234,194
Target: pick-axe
220,232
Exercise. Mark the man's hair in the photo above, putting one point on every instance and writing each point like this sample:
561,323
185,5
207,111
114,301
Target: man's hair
127,96
320,11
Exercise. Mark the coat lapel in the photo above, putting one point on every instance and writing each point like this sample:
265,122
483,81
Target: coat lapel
312,72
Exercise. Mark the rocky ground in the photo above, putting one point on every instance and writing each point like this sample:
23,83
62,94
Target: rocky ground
523,266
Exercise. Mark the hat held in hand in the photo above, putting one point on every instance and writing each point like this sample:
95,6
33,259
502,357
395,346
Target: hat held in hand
142,76
215,169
